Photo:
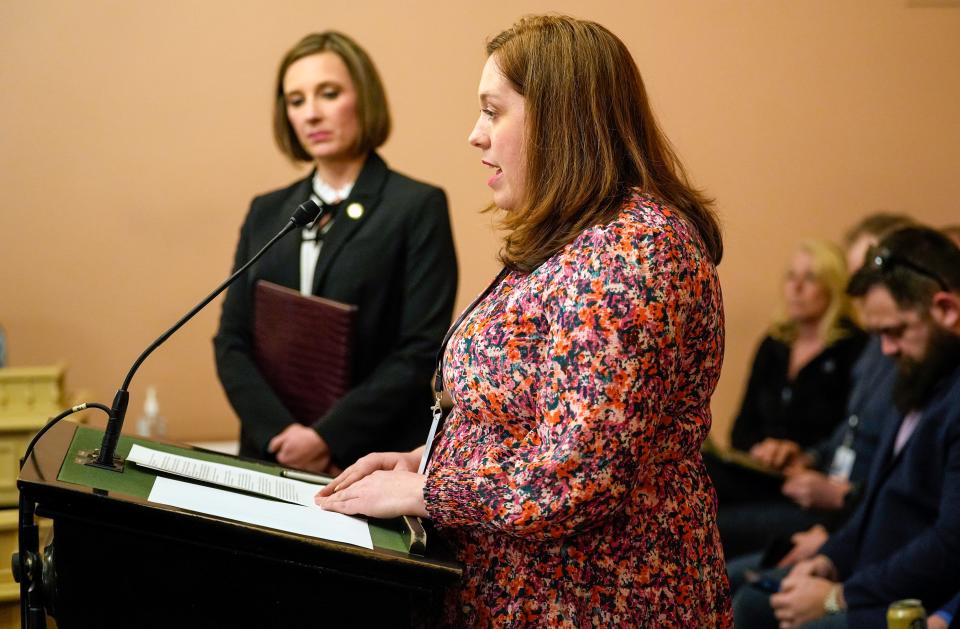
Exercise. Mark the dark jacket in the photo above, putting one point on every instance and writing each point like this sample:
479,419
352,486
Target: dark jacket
805,410
396,262
870,410
904,539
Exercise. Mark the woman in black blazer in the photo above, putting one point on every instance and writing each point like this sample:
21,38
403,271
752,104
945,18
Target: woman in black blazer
386,248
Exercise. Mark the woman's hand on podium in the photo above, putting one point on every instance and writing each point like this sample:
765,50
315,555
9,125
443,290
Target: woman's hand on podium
382,494
381,485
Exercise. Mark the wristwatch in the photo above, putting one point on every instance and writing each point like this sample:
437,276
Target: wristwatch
831,604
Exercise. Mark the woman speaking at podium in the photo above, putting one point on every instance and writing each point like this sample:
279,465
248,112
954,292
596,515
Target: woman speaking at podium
568,476
385,246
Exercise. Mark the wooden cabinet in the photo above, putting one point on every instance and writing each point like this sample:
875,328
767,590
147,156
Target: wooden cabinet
29,396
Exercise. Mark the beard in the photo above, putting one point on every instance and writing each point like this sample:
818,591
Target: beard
917,380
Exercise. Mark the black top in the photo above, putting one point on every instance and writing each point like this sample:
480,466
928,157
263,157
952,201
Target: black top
805,410
396,263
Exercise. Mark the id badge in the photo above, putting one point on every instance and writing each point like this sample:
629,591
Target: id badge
842,463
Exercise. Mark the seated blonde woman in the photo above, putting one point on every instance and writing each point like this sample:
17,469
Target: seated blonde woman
796,394
800,378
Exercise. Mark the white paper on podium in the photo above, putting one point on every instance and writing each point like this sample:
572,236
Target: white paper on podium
286,489
304,520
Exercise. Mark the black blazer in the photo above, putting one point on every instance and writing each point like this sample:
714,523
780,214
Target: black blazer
396,262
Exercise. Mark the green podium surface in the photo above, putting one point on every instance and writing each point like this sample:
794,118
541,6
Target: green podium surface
119,560
137,482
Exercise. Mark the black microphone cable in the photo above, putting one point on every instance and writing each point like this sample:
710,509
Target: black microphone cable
53,421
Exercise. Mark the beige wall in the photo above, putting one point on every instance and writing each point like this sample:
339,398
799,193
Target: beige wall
135,133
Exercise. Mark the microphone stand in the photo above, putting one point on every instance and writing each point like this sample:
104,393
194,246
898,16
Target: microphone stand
27,567
105,456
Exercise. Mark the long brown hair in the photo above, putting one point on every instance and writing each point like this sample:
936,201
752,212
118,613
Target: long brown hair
590,137
373,114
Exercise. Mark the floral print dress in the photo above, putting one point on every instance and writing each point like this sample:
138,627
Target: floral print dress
568,475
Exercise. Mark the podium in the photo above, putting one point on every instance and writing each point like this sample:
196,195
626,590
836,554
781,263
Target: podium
117,560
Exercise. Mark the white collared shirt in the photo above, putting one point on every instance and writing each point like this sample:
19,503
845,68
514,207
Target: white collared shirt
310,244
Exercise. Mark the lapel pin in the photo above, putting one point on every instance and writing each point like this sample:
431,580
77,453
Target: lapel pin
355,211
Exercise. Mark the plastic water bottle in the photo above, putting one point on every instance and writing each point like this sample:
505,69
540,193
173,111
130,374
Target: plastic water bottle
151,423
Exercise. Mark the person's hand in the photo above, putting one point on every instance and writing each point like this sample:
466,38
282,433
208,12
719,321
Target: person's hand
400,461
801,462
936,622
801,600
817,566
381,494
775,453
301,447
805,545
815,490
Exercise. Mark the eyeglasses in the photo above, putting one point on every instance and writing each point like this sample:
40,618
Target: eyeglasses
886,261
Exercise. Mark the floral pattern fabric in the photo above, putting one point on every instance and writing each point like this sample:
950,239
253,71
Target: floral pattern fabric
568,476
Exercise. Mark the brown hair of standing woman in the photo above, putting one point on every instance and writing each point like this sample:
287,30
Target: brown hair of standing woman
590,137
373,114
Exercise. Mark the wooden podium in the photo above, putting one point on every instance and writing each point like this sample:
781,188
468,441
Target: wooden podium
117,560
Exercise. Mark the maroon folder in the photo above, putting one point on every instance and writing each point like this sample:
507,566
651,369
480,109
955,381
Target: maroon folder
302,346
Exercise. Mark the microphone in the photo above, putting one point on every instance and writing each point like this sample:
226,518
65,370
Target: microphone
306,213
105,457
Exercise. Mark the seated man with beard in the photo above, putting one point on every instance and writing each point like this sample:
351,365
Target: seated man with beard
904,539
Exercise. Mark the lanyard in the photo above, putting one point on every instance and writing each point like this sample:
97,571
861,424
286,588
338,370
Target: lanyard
438,378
